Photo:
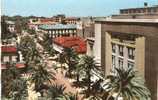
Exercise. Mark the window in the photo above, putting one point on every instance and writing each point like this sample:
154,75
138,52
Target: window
14,58
113,64
149,11
75,31
56,31
113,61
6,59
120,63
113,48
131,53
63,31
130,64
154,10
120,50
71,31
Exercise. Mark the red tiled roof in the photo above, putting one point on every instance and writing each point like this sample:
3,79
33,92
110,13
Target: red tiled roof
18,65
9,49
77,43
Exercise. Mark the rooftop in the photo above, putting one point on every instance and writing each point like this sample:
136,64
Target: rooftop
10,22
129,20
8,49
42,22
77,43
58,26
155,6
18,65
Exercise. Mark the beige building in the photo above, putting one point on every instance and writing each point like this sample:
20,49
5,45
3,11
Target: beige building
127,43
71,20
129,39
145,12
11,26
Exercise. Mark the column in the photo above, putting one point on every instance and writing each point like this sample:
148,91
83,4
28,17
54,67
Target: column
125,55
97,43
20,57
140,55
117,54
108,54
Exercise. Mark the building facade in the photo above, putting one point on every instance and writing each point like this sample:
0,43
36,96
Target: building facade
34,23
71,20
145,12
10,54
58,18
76,43
11,26
59,30
128,43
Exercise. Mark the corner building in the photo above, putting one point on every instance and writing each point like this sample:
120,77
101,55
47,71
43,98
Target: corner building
129,43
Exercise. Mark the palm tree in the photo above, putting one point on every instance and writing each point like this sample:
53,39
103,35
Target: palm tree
56,90
40,76
129,85
61,60
78,69
67,96
27,46
13,85
34,54
79,72
95,98
47,44
71,59
8,75
89,65
19,89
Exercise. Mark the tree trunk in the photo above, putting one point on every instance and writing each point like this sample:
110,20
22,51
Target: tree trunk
89,83
119,91
108,98
69,70
110,95
61,68
78,76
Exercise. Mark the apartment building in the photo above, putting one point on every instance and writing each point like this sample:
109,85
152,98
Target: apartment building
59,30
146,12
76,43
127,43
34,23
71,20
11,26
58,18
10,54
129,39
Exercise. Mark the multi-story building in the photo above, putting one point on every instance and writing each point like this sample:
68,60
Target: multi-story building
145,12
58,30
77,43
87,24
11,26
10,54
71,20
34,23
127,42
59,18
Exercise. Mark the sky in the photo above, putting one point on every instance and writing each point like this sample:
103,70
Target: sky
50,8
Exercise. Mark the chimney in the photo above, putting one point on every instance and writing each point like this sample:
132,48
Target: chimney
145,4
